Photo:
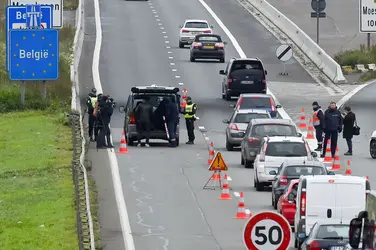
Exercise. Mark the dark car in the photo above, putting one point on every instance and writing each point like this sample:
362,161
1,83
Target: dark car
208,46
243,75
256,130
155,94
292,170
257,101
327,235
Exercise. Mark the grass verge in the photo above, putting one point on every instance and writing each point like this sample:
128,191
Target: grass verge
37,200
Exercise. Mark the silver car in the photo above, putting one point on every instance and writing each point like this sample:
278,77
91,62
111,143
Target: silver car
238,123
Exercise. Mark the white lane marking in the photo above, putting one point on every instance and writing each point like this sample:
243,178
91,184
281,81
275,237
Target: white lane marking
247,211
168,47
162,28
167,41
237,194
170,58
180,83
206,138
165,36
169,52
174,70
177,76
238,49
118,189
164,32
156,16
158,20
151,7
172,64
229,178
201,128
160,24
353,92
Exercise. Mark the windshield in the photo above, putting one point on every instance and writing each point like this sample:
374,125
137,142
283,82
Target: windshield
255,102
263,130
286,149
209,39
153,99
333,232
247,65
245,118
197,25
304,170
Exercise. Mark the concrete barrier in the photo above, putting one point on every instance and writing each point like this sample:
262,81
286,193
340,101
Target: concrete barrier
318,56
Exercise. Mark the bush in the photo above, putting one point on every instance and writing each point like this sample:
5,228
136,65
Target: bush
353,57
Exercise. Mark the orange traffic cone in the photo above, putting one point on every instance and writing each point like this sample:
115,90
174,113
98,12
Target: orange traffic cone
348,168
225,190
211,153
336,164
303,124
328,153
184,94
123,144
336,156
310,134
241,214
216,176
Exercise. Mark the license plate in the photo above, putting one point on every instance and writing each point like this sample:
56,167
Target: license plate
337,248
241,134
246,82
195,33
208,47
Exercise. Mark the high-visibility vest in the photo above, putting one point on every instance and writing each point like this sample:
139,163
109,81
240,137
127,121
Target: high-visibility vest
189,109
316,120
93,100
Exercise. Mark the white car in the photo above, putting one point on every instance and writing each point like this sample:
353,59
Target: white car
273,152
372,145
190,29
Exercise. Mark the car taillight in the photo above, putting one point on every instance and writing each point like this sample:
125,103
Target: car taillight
229,80
207,31
219,45
283,180
272,104
239,103
253,139
185,31
315,245
196,45
303,204
132,119
233,126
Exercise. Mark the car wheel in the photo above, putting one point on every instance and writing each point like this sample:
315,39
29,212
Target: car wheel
227,96
272,199
296,243
181,45
254,182
177,141
259,186
372,149
130,141
222,60
192,59
248,164
241,159
275,202
229,146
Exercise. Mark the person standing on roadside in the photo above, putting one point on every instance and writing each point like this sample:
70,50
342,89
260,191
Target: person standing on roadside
144,117
91,101
190,118
172,119
348,129
333,126
318,124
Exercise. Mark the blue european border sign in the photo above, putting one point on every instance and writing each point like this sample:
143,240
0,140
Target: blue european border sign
34,54
16,18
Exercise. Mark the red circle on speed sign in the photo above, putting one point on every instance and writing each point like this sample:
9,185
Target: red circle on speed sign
267,230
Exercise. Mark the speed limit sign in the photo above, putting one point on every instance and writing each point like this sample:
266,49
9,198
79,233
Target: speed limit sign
267,230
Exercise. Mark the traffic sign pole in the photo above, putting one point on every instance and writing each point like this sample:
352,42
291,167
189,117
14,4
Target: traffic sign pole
318,6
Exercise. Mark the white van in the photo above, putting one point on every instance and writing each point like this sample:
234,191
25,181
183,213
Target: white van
324,197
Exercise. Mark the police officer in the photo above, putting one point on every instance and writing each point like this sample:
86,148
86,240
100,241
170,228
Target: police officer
91,101
190,117
105,111
333,126
318,124
172,119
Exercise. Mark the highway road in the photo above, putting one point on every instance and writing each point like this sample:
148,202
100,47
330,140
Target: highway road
167,207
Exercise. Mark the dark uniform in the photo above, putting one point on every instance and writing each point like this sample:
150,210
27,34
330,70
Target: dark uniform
333,126
105,111
348,129
144,118
91,101
318,124
190,117
172,119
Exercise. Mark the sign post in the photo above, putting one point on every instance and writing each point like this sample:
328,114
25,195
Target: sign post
318,6
267,230
367,19
284,53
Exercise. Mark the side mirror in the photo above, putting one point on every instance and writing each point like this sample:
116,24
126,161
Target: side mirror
211,26
278,106
225,43
291,197
226,121
266,72
232,105
272,172
121,109
299,134
314,154
222,72
331,173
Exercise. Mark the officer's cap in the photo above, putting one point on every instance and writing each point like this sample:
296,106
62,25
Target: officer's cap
94,90
189,98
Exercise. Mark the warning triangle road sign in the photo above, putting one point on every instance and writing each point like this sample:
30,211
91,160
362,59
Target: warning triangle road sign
218,164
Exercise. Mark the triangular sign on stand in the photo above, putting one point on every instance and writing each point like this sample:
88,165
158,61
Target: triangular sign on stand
218,164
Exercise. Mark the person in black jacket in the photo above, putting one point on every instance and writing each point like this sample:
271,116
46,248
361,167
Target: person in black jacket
348,129
332,126
144,118
105,111
172,119
318,123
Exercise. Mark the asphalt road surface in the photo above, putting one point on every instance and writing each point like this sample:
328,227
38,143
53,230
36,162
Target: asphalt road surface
163,187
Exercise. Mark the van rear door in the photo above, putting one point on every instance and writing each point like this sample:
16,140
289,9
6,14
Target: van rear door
320,197
350,199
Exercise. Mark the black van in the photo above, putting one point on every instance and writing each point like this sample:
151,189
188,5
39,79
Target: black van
155,94
243,75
